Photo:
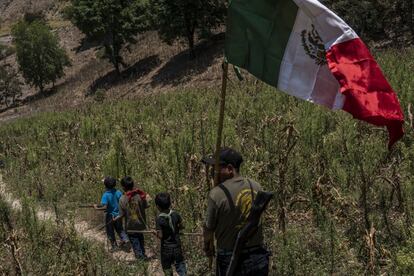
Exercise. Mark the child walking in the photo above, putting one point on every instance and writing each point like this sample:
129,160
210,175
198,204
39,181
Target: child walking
109,203
168,225
132,207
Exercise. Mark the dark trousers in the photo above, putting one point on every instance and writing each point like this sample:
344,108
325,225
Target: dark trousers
111,227
137,243
172,255
251,263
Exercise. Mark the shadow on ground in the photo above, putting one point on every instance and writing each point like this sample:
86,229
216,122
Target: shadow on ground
136,71
86,44
34,97
177,70
180,68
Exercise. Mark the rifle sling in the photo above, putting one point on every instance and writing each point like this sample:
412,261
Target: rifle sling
228,195
251,190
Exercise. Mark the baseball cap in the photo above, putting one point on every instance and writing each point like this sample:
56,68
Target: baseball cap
228,156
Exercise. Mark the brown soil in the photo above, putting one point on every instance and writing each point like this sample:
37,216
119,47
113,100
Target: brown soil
153,67
12,10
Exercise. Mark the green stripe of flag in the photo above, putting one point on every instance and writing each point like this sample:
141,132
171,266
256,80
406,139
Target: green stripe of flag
257,34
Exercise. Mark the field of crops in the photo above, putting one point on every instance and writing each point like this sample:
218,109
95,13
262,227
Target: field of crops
344,203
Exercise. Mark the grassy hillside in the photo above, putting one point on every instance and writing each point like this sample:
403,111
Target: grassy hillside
148,69
344,203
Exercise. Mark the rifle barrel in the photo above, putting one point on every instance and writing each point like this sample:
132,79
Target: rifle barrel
153,231
192,234
140,231
85,206
258,207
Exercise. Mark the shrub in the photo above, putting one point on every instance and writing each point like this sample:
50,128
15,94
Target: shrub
112,24
41,60
10,88
182,19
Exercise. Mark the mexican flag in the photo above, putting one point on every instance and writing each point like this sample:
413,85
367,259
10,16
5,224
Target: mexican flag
305,50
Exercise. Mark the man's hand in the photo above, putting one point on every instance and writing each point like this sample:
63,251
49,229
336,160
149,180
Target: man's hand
115,218
99,207
209,248
158,233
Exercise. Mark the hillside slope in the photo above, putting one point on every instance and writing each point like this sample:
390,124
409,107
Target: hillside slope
153,67
11,10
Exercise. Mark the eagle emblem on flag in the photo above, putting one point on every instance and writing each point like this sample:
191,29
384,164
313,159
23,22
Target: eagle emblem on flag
313,45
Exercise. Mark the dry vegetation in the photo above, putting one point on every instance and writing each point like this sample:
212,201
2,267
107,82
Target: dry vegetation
344,203
153,67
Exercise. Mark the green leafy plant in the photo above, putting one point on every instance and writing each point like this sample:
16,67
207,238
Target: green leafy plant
182,19
115,162
41,60
405,258
112,24
10,86
378,20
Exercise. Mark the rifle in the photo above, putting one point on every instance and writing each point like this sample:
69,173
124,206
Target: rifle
259,205
85,206
92,206
152,231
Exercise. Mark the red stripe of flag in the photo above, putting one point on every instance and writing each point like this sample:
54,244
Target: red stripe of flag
368,95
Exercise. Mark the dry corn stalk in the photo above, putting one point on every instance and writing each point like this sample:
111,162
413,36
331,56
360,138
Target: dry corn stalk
370,243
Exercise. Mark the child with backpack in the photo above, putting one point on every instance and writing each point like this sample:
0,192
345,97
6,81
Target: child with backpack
109,203
168,226
132,207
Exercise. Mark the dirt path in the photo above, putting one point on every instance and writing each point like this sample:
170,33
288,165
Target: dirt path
86,231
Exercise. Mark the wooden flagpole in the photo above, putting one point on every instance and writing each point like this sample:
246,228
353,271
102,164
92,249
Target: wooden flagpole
219,137
220,122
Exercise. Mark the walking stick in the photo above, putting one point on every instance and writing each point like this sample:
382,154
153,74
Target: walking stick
101,227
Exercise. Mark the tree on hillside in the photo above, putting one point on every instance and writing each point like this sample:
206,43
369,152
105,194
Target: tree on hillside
41,60
362,15
10,88
406,9
111,23
175,19
377,20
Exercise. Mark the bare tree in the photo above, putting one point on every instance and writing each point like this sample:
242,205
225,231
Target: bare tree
10,86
